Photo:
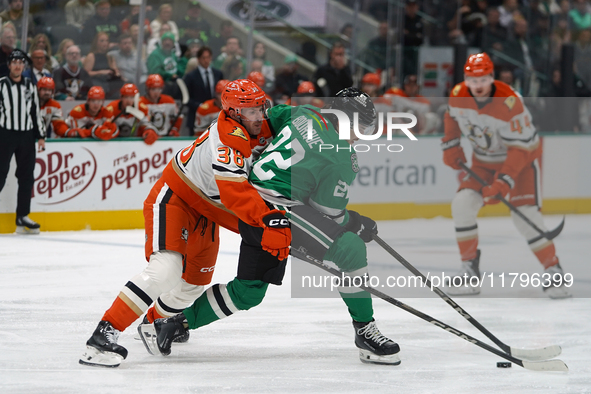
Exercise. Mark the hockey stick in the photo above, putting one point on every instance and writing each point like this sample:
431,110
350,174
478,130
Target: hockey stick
185,99
545,365
529,354
136,105
548,235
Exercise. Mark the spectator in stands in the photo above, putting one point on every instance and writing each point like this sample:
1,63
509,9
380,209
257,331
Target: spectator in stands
193,46
548,7
78,12
560,35
134,31
125,60
133,18
508,11
60,55
413,36
583,56
518,47
288,79
335,75
201,82
41,41
72,82
217,41
494,35
14,14
506,75
233,67
154,43
375,52
102,70
39,59
163,60
164,16
580,17
231,52
193,26
102,21
308,52
7,44
259,52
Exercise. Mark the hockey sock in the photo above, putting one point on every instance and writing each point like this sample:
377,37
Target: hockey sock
547,255
220,301
360,306
122,313
540,246
464,208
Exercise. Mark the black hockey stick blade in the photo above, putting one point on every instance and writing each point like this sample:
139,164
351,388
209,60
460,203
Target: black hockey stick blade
546,365
529,354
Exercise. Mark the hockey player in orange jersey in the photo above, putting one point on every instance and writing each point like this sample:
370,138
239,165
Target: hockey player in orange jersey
162,109
209,110
506,155
204,186
305,94
259,79
51,110
129,125
92,119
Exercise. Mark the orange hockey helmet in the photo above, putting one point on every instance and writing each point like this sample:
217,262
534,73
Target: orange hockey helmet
129,89
242,93
372,79
46,83
478,65
306,87
154,81
257,78
219,87
96,93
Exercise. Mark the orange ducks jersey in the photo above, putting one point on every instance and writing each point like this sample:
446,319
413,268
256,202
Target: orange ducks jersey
212,173
127,122
494,127
162,113
207,112
52,115
80,118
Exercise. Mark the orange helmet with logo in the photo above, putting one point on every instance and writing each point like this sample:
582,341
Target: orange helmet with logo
46,83
96,93
219,87
129,89
242,93
306,87
257,78
478,65
372,79
154,81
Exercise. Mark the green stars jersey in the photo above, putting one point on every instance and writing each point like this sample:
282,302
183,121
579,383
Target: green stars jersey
296,170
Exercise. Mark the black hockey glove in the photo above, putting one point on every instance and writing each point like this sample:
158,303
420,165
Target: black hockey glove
362,226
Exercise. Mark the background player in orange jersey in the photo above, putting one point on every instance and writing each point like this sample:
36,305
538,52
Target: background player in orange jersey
92,119
51,110
209,110
163,113
128,123
259,79
506,155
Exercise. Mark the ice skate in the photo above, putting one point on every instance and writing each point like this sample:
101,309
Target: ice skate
461,283
24,225
158,337
375,348
102,349
556,289
181,338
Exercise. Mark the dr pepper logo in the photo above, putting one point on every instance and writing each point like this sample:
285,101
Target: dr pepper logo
61,176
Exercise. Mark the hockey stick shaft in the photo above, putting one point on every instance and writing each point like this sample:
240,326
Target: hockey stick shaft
548,235
555,365
185,99
532,354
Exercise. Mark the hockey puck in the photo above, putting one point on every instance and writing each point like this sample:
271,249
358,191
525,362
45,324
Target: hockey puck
502,364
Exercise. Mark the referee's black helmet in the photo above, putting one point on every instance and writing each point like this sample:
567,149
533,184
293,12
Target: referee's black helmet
17,54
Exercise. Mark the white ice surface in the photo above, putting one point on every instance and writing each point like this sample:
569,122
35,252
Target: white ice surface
55,287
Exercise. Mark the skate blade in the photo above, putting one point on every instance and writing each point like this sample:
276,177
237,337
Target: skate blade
149,338
462,290
95,358
558,293
368,357
25,230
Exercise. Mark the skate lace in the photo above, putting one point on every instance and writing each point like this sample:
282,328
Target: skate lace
370,331
112,335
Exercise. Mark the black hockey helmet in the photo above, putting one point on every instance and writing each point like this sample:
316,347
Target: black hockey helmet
17,54
352,100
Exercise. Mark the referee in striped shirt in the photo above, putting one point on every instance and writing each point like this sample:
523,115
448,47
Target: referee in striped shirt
20,125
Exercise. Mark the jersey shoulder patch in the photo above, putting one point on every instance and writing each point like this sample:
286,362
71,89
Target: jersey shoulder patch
510,102
237,132
233,135
77,108
456,89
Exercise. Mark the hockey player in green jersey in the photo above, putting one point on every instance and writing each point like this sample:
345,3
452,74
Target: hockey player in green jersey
311,184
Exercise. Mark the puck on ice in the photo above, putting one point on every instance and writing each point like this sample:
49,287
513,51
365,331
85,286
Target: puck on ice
502,364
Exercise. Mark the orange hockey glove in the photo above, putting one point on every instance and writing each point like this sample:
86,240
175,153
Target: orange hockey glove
73,133
173,132
105,132
453,154
150,136
500,187
276,234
